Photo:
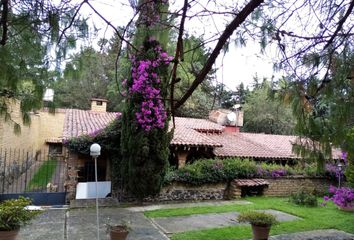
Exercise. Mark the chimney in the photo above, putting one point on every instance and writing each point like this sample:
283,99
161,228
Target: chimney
232,120
98,105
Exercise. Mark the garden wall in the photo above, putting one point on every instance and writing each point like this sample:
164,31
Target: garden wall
179,192
283,186
288,185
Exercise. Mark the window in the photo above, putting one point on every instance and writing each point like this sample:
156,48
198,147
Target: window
55,148
99,103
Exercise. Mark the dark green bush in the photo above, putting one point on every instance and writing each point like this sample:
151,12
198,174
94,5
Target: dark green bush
213,171
304,198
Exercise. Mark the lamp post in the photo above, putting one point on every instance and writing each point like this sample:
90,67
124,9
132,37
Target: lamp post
340,166
95,151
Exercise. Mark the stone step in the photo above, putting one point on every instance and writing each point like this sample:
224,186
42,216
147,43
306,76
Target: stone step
102,202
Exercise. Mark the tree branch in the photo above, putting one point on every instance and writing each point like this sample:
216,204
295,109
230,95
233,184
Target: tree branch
179,54
71,22
3,21
238,20
111,25
340,25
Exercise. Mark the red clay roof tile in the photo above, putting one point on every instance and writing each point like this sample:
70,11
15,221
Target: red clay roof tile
84,122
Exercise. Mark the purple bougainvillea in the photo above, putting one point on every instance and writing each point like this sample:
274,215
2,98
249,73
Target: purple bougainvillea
145,84
278,173
342,197
261,172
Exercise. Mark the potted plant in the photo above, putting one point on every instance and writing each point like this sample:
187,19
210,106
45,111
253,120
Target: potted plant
118,232
261,223
13,214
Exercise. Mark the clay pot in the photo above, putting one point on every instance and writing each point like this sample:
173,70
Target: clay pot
119,233
260,232
9,235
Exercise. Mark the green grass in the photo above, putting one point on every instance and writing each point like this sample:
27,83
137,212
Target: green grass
312,218
42,176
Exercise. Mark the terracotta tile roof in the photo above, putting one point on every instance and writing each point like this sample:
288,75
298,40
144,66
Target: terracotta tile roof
200,125
189,137
191,132
250,182
254,145
82,122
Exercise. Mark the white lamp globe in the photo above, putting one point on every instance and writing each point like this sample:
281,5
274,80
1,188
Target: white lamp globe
95,150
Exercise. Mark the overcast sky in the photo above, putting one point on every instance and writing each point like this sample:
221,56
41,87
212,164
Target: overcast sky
239,64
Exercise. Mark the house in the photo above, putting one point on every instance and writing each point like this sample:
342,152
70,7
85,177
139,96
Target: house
218,136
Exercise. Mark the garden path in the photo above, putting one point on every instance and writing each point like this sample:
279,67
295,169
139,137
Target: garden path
170,225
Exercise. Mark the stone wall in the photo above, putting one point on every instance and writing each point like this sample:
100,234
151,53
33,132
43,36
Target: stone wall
288,185
182,192
285,186
277,187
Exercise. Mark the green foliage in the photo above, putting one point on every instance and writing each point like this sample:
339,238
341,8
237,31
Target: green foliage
88,72
324,109
13,214
257,218
109,140
213,171
194,59
264,113
33,28
145,153
349,147
223,170
304,198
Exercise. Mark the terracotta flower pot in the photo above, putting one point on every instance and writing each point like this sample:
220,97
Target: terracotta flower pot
119,233
260,232
9,235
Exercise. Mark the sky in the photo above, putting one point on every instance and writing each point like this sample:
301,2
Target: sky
236,66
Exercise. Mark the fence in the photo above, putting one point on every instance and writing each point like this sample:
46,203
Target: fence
24,172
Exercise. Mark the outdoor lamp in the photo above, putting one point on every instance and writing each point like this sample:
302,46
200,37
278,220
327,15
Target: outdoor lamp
340,166
95,150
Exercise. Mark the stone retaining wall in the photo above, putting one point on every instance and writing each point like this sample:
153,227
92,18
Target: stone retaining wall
288,185
179,192
277,187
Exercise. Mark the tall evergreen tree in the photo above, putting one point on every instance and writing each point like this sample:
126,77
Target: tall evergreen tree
145,138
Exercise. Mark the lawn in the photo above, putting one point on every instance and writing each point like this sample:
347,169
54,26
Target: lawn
42,176
312,218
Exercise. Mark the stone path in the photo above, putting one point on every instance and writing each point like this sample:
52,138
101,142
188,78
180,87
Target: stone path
170,225
81,224
187,205
50,225
77,224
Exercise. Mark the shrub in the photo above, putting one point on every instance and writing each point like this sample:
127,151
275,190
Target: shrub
304,198
13,214
213,171
221,170
342,197
261,219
